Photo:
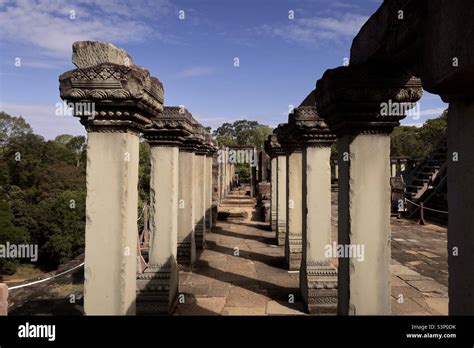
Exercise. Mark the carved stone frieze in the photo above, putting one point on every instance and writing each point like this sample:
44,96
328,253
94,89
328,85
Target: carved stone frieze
153,290
318,281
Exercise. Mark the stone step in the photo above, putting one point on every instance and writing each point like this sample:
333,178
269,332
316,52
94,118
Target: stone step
233,215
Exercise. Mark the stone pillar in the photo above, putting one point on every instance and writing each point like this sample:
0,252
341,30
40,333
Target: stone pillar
101,91
318,277
158,284
356,102
294,176
281,199
186,239
226,171
278,198
460,159
208,191
294,215
273,198
215,186
160,279
200,202
111,223
3,299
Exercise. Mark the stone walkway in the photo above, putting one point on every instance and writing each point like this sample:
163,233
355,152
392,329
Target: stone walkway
242,271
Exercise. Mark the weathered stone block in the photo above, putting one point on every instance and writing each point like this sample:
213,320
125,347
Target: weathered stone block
86,54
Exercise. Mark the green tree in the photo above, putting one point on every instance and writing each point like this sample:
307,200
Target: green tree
61,227
433,130
11,234
77,144
242,132
12,127
418,142
144,169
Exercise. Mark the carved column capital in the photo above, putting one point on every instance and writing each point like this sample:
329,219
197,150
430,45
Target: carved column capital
200,137
365,99
110,97
272,146
310,129
170,128
287,139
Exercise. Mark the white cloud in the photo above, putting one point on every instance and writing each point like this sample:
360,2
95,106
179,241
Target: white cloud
47,26
432,112
311,31
197,71
418,125
43,119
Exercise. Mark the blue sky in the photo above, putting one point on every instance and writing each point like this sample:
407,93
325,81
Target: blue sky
280,58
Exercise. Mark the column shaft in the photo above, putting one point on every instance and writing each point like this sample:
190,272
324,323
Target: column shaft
281,199
186,240
215,189
158,284
294,211
273,195
200,206
364,224
318,277
208,191
111,224
460,159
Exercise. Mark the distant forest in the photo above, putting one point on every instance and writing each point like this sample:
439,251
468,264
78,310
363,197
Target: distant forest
43,192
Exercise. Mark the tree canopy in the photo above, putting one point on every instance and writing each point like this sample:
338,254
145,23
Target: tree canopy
417,142
242,132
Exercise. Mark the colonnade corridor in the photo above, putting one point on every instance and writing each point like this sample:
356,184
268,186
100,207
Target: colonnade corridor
242,270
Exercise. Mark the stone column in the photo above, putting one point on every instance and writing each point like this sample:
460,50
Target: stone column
357,103
158,284
208,191
111,208
162,269
273,198
460,159
271,149
200,212
101,91
294,179
281,198
215,185
3,299
186,239
226,171
200,194
318,277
